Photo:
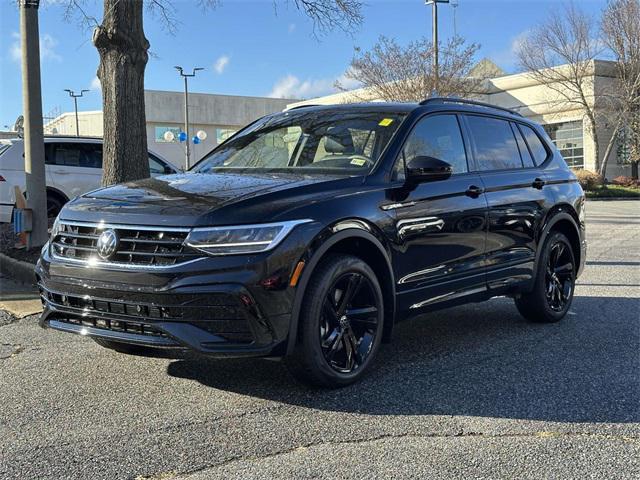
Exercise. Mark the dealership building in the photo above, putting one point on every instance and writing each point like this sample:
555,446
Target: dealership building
564,121
218,116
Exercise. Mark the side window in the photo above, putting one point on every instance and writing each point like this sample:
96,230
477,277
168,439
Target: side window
156,167
67,154
495,144
437,136
527,161
535,144
49,153
92,155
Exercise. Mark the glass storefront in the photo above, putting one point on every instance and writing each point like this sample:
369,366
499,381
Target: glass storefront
568,138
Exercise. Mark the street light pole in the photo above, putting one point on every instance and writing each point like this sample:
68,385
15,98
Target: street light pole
434,23
187,151
33,128
75,97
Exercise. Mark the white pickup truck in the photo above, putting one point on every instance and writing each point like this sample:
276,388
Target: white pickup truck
73,166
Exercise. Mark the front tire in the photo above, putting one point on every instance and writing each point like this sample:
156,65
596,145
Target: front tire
340,324
554,284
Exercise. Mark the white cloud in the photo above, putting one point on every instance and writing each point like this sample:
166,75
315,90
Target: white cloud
221,64
95,84
508,58
48,46
291,86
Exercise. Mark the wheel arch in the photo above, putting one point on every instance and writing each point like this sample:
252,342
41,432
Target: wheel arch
564,219
353,237
58,193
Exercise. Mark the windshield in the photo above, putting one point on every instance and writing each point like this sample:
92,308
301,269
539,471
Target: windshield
333,142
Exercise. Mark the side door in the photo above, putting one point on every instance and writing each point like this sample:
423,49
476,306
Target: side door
516,195
76,167
440,225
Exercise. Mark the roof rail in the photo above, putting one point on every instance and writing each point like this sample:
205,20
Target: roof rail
303,106
442,100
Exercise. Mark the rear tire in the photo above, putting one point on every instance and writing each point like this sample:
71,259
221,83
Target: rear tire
554,283
340,324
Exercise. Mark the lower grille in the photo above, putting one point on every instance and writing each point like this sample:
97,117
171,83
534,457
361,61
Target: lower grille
223,315
114,325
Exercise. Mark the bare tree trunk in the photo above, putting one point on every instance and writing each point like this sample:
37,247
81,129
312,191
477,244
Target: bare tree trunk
605,160
123,49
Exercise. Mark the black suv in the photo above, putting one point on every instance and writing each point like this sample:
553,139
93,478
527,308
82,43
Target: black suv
310,233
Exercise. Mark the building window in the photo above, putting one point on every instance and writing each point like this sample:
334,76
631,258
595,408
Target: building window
567,137
223,133
160,131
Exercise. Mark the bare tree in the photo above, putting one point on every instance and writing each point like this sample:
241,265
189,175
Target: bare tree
559,53
405,74
621,33
124,51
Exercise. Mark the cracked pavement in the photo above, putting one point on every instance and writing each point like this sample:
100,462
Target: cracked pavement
469,392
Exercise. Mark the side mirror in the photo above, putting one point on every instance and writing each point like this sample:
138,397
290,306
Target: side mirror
428,169
168,170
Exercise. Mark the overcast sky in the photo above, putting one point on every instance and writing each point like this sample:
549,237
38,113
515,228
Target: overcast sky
250,47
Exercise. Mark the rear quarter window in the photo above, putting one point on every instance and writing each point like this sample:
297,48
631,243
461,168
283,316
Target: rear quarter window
495,144
535,144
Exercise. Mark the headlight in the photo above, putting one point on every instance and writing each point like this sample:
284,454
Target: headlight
240,239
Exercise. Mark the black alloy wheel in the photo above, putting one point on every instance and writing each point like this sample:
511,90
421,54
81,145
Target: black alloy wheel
554,282
559,276
340,324
349,323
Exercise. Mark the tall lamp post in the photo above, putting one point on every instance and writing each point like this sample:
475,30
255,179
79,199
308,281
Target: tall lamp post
434,22
75,97
186,76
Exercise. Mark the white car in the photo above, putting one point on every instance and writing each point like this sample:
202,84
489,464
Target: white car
73,166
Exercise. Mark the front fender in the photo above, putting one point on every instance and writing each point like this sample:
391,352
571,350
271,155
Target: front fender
323,242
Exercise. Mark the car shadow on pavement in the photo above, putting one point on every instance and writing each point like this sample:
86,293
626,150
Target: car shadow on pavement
479,360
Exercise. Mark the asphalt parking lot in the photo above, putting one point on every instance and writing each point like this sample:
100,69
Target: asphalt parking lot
469,392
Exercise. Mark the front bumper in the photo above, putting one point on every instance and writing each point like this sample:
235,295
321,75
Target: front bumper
231,306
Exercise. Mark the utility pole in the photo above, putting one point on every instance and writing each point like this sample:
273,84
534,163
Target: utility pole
454,5
187,151
33,129
75,97
434,26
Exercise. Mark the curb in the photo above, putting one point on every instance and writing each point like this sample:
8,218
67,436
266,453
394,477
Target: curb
19,270
611,199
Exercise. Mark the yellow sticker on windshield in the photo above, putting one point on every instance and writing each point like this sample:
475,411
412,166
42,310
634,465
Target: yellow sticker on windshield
358,161
385,122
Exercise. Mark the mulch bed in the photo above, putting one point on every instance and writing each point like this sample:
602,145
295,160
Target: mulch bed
8,241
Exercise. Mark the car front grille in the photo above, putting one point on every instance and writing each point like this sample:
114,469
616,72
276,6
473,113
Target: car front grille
137,246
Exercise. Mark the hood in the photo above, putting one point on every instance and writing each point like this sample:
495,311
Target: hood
181,199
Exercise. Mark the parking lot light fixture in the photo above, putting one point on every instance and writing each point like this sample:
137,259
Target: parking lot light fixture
186,76
75,97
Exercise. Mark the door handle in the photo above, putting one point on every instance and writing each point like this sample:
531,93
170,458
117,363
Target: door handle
538,183
474,192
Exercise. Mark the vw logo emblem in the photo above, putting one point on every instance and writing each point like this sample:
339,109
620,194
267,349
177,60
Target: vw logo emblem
107,244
